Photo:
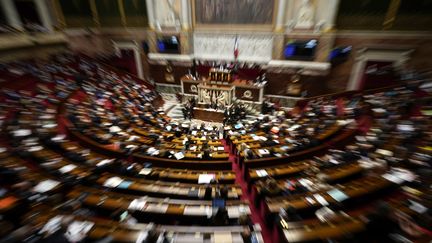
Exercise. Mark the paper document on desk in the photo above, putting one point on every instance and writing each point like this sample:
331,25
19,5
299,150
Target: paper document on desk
261,173
338,195
45,186
49,125
124,184
205,178
35,148
384,152
179,155
284,148
263,151
145,171
156,208
392,178
188,238
344,122
77,231
417,207
151,150
324,214
169,189
67,168
404,174
223,237
137,204
236,211
104,162
378,110
142,236
113,182
292,128
156,152
22,132
197,210
52,225
114,129
133,138
310,200
321,199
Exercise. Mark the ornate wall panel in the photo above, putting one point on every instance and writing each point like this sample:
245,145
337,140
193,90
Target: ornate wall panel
77,13
244,12
253,48
108,13
136,13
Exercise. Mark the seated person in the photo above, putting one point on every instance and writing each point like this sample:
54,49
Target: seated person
220,218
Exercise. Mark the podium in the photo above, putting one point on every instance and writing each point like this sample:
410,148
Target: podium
219,91
220,94
207,91
218,74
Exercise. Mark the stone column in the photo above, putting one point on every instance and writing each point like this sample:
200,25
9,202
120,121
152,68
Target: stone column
280,17
289,19
11,14
185,14
138,62
151,41
332,10
278,46
186,43
150,13
44,14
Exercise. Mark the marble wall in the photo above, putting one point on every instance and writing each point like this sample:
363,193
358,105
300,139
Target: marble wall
253,48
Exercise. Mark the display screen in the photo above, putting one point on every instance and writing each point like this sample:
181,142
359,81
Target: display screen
339,54
168,44
300,50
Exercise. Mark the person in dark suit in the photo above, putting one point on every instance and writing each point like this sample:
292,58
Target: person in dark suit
8,176
223,192
208,193
380,223
220,218
59,235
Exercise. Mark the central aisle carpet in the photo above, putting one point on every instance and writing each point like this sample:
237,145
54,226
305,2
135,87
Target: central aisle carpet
255,214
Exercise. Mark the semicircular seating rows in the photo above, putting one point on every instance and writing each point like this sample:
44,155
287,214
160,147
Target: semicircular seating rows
99,160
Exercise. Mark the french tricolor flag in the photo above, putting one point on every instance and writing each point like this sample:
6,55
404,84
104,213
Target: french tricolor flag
236,46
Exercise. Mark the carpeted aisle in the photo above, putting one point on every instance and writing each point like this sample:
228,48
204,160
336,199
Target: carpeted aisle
255,213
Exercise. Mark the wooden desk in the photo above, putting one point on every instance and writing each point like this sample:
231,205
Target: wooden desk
208,115
341,139
337,229
129,233
157,210
354,189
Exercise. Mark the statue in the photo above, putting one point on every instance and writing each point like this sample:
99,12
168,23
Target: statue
305,18
222,98
206,97
167,14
